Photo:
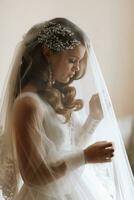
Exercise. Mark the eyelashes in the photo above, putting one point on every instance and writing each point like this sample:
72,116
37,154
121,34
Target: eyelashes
73,61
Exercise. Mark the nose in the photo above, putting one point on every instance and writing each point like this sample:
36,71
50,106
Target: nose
77,67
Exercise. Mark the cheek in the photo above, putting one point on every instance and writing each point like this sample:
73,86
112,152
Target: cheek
58,71
67,68
63,68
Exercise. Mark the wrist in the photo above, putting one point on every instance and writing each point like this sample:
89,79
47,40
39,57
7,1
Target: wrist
91,118
90,124
75,160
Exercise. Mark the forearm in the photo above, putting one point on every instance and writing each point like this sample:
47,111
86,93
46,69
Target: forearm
86,130
44,175
90,125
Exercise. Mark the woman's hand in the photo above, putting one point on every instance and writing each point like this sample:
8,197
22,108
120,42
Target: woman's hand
95,107
99,152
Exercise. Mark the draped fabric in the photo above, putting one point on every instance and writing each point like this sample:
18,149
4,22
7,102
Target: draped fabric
55,151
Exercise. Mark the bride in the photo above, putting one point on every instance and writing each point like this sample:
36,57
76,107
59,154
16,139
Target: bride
48,141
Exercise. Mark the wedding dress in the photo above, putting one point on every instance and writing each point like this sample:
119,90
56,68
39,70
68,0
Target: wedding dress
108,181
63,140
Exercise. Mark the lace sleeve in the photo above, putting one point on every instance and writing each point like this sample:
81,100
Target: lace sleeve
39,161
84,130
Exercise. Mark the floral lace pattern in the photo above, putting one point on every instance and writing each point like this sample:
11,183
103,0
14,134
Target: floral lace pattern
7,173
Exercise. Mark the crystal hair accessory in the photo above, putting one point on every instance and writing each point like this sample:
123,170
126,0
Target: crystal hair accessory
55,36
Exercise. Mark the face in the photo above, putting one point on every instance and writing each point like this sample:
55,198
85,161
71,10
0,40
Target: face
67,63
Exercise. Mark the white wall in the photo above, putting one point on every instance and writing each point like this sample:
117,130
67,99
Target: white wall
109,23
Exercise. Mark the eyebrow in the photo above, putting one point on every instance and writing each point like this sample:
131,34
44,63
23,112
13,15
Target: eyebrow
74,56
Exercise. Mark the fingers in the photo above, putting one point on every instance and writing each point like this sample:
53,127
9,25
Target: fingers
107,151
107,159
96,107
107,144
95,95
109,154
100,152
108,148
96,99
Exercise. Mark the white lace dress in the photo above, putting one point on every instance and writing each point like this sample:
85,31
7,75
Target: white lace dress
77,184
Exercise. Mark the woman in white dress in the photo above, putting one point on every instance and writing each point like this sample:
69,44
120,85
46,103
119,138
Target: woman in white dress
45,126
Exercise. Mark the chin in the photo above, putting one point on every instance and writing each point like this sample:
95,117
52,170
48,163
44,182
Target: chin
64,80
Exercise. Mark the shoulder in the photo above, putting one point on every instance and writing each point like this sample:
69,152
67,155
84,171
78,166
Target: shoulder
26,106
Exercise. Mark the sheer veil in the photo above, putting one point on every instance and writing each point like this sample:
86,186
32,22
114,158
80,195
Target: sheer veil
116,175
125,175
8,167
114,180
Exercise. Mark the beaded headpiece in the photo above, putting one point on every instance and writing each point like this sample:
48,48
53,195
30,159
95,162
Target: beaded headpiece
55,36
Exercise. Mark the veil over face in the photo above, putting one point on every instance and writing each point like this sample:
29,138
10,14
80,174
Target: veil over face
55,141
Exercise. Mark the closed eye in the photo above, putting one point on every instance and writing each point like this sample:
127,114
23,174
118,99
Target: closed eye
72,61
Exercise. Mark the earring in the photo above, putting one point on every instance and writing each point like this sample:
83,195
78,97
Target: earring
50,80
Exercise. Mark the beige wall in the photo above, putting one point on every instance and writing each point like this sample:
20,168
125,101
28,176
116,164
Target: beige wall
109,23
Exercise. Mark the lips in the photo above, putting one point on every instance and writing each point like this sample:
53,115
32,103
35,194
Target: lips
72,75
